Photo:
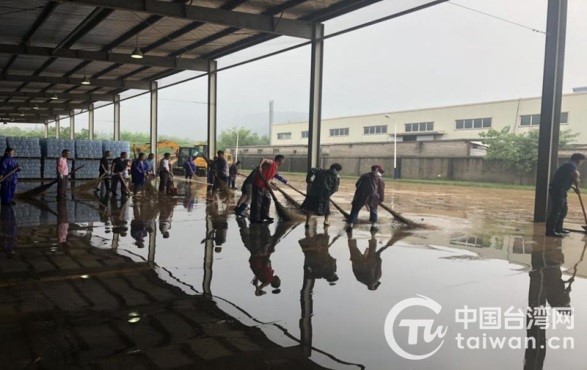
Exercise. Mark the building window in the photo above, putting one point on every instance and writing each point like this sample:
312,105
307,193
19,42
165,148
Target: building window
534,119
530,120
420,126
283,135
339,132
260,151
473,123
304,134
275,151
375,130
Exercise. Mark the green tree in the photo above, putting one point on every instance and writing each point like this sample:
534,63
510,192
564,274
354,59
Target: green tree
227,138
519,152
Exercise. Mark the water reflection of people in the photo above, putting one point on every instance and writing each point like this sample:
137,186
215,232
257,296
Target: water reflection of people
546,285
118,215
138,226
62,221
190,198
367,265
166,206
8,230
261,244
318,263
219,223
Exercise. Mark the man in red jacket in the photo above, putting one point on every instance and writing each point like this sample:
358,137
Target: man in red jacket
261,201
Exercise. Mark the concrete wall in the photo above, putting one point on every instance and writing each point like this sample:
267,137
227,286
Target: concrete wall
459,169
502,113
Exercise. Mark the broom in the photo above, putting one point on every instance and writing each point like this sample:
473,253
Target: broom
90,184
344,213
9,173
284,213
224,190
291,200
42,188
402,219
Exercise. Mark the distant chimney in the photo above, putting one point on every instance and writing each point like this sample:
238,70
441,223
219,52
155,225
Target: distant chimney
270,121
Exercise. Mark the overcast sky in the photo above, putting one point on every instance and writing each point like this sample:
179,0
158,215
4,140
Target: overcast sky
443,55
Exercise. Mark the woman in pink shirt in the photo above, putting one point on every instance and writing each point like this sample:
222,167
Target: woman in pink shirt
62,174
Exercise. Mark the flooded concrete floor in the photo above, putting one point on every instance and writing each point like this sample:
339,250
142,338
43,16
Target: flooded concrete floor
181,283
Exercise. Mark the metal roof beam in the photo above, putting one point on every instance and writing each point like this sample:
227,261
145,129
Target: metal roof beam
117,84
60,96
100,56
255,22
57,106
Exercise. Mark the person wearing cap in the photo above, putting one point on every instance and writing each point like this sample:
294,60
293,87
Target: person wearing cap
324,184
370,191
9,177
566,177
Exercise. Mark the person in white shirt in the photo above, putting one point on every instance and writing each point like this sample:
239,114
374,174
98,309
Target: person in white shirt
164,173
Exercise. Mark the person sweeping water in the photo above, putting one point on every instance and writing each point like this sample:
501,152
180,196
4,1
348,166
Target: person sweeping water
9,176
261,199
370,192
317,200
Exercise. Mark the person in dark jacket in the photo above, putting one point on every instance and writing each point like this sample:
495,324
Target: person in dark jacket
104,166
370,191
9,178
138,172
324,184
564,178
232,172
119,165
189,168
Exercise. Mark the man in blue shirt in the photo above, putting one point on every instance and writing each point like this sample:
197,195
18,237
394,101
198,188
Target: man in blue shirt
564,178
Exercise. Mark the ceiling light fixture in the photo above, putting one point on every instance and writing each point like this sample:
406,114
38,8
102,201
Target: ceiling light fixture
85,80
36,107
136,53
54,97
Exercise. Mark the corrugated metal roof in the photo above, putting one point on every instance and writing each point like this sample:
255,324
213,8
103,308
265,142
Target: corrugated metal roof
112,28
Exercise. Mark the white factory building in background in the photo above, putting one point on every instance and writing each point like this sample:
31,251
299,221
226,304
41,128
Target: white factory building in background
458,122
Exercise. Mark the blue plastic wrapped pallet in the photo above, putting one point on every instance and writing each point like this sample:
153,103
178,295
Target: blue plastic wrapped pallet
116,147
30,168
88,149
2,144
25,147
89,169
52,148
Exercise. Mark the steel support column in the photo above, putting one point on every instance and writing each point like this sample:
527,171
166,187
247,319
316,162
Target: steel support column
212,83
315,121
154,113
91,122
72,125
117,117
552,83
57,126
46,130
152,245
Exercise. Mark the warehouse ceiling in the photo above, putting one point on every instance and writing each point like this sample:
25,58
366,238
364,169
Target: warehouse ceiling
51,50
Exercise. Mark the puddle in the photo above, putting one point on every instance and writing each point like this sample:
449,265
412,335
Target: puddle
321,293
